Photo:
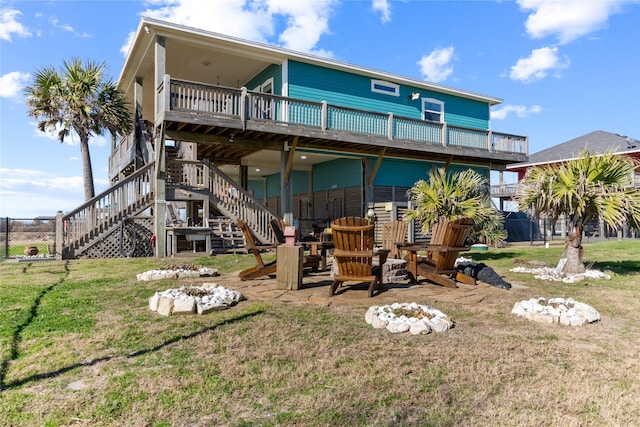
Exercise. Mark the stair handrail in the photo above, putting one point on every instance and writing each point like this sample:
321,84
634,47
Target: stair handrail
103,210
238,203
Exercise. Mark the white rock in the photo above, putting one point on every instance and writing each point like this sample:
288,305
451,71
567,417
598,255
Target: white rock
184,305
397,327
165,306
370,314
565,319
378,323
153,302
439,325
419,328
577,320
589,313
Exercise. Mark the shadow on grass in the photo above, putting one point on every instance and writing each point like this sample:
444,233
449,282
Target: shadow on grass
618,267
488,256
32,313
17,333
52,374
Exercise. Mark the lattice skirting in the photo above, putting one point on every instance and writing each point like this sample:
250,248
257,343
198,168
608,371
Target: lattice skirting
119,242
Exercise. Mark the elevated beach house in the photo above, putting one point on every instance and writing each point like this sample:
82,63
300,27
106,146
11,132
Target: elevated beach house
230,129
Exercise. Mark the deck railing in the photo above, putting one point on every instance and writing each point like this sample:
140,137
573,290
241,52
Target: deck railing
225,194
255,106
106,209
503,190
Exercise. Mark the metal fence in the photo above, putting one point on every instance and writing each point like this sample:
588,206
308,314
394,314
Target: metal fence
32,238
520,228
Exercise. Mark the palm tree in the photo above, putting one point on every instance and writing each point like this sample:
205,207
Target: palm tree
449,196
78,99
589,187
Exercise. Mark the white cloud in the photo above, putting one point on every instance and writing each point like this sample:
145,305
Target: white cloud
56,24
436,66
520,111
538,65
27,193
9,25
11,84
567,20
305,22
384,8
12,179
71,139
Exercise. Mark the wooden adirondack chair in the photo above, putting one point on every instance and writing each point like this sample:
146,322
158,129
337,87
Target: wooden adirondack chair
447,242
354,241
394,233
265,269
261,268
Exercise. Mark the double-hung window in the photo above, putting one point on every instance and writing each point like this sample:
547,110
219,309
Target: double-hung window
433,110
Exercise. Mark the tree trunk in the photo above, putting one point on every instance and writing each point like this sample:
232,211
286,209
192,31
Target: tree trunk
87,171
574,251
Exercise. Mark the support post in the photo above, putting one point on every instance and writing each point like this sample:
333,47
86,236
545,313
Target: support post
286,189
289,267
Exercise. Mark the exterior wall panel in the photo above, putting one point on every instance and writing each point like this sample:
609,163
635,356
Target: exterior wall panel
351,90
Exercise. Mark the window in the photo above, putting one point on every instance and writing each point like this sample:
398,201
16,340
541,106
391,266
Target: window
433,110
264,105
380,86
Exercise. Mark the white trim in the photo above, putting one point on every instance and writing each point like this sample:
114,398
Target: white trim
266,84
285,78
385,87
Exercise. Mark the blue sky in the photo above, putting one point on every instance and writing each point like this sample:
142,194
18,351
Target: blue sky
563,68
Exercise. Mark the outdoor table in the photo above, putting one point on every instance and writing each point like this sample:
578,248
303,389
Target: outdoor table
319,248
192,234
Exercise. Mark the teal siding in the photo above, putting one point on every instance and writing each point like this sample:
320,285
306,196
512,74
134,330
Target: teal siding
405,173
340,173
274,71
299,182
273,185
257,187
401,173
351,90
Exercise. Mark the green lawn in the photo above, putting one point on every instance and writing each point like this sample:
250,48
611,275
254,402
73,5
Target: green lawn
79,346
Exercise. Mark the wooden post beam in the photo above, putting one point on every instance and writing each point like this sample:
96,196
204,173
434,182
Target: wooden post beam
377,165
292,150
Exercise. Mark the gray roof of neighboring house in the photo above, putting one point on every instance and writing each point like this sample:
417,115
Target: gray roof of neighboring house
597,142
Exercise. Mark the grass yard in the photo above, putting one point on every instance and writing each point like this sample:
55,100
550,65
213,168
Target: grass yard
79,347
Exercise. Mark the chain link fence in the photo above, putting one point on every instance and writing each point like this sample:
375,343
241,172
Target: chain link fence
32,238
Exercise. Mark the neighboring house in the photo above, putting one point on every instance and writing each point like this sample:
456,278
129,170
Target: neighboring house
597,142
228,128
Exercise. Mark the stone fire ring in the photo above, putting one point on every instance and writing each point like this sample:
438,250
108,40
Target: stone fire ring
194,300
561,311
176,273
408,317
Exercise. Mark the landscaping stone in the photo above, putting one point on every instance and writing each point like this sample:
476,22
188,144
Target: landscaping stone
165,305
408,317
178,272
567,312
557,275
194,299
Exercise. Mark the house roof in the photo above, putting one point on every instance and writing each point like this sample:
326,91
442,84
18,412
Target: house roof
141,47
597,142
